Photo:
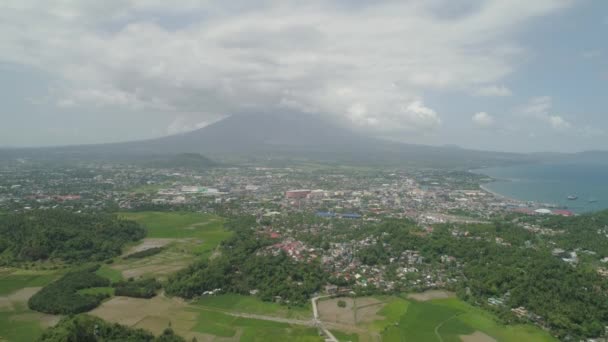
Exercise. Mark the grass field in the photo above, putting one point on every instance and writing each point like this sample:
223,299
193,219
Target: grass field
97,290
207,228
110,273
253,305
223,325
13,326
446,320
17,322
184,237
341,336
394,309
203,323
13,280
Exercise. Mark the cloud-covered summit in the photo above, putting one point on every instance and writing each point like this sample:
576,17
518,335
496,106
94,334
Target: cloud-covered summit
369,64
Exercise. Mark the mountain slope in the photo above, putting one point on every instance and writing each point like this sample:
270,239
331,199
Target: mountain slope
285,136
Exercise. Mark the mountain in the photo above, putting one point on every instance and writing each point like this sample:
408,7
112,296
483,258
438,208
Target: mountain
283,136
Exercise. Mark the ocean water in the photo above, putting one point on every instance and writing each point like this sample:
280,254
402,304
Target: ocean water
553,183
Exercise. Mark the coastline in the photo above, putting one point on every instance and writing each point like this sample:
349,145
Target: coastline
548,187
496,194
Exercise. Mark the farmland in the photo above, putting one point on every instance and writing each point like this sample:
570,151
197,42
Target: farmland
17,322
442,320
183,237
220,317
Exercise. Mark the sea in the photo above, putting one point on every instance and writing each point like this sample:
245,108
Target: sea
552,184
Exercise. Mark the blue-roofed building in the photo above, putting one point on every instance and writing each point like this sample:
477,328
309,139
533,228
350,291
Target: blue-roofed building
351,216
325,214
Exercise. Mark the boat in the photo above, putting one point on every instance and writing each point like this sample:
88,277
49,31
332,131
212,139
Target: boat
593,200
572,198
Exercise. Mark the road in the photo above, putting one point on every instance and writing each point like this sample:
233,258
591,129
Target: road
315,322
329,336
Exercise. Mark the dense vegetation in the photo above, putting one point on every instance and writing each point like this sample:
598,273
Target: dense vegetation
240,269
571,300
183,160
145,253
144,288
82,328
62,235
61,297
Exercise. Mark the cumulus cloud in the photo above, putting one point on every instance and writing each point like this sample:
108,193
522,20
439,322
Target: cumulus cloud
558,122
368,64
483,119
493,90
540,108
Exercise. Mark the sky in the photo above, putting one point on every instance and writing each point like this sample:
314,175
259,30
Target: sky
517,75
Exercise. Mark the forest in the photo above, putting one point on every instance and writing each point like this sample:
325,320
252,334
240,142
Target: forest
62,297
143,288
64,236
92,329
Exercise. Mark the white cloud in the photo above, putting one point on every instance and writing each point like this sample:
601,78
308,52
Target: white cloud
181,125
540,108
558,122
591,54
493,90
483,119
369,64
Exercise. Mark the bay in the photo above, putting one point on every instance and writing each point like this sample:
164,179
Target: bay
553,183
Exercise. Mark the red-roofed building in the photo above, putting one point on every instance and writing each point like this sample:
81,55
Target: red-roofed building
566,213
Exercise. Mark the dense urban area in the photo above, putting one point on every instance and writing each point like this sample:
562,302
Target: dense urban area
284,236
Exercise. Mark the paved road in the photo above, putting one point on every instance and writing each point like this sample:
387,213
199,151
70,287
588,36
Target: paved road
315,312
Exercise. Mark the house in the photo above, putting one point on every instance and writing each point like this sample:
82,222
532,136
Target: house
331,289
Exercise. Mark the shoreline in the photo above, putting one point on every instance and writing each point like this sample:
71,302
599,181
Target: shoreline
484,188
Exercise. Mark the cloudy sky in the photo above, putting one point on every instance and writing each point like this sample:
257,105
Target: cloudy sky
515,75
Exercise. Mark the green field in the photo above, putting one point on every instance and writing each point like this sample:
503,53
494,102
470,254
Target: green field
14,280
223,325
445,320
252,305
97,290
20,325
394,309
183,225
110,273
341,336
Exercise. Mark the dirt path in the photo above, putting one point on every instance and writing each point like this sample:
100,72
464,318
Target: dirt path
441,324
309,323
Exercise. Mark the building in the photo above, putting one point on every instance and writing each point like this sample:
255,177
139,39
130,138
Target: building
297,194
566,213
331,289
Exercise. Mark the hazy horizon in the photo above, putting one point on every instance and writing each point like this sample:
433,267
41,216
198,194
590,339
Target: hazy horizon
488,75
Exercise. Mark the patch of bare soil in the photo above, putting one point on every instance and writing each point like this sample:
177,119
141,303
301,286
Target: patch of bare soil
369,313
149,243
477,336
19,296
430,295
151,314
329,311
